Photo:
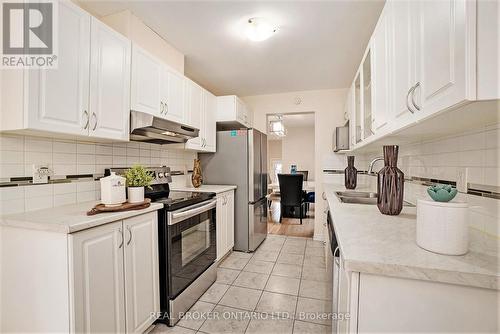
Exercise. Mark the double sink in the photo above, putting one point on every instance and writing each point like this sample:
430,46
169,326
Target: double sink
361,197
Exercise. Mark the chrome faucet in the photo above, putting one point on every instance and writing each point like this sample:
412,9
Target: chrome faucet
370,168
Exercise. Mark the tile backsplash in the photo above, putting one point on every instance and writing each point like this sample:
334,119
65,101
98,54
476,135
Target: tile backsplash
18,154
477,151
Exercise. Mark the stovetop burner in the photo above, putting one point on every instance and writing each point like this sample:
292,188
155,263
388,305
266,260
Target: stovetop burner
160,192
172,199
179,199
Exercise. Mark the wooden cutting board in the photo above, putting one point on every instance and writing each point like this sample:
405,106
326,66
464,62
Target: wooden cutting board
101,208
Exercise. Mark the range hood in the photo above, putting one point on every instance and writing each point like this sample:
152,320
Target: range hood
147,128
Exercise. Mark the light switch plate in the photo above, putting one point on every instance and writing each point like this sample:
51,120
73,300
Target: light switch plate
41,174
462,179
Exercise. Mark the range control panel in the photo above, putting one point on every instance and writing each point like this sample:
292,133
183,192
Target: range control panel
160,175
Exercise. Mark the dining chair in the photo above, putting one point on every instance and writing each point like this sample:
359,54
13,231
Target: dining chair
303,172
291,193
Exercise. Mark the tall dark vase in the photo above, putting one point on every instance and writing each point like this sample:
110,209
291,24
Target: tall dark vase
390,184
350,174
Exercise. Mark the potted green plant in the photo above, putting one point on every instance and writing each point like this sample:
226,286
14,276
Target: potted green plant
137,178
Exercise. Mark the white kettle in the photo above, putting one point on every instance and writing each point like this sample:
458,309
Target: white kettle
113,190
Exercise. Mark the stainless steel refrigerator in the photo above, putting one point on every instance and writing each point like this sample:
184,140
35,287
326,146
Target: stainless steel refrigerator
241,160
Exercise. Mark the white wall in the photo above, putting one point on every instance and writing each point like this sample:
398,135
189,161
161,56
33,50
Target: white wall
129,25
328,108
298,148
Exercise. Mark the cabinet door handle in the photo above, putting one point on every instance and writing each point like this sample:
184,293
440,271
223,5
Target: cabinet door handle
95,124
161,108
130,232
323,195
166,107
413,96
407,98
85,112
121,234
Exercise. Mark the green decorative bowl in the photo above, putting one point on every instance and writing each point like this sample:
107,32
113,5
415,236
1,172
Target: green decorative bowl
442,193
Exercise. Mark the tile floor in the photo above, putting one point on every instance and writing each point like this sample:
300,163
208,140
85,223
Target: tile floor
283,287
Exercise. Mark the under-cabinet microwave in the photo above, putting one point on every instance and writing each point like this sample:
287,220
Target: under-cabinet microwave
341,138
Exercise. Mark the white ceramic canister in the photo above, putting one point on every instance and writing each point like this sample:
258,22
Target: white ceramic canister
113,190
442,227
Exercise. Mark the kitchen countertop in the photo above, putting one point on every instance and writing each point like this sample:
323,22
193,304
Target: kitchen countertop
69,218
386,245
204,188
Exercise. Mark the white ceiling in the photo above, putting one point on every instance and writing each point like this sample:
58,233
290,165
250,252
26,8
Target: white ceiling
318,45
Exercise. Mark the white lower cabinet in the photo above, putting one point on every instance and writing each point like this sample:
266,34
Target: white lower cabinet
115,276
381,304
225,223
98,279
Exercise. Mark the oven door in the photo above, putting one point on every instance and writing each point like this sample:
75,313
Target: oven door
191,245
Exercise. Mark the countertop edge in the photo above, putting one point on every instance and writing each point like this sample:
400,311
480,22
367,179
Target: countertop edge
478,280
99,219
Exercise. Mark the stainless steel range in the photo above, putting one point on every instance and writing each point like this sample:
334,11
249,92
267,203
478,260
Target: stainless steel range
186,242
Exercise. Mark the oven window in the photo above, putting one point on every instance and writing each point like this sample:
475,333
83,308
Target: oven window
194,241
192,249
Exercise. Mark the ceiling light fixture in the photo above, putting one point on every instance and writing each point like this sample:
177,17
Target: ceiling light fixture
277,127
258,29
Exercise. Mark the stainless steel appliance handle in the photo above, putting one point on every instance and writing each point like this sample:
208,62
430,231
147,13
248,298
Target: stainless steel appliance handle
130,232
179,215
413,96
407,97
121,234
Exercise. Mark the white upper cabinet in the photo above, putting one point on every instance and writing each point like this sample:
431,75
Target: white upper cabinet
156,88
444,50
402,58
110,83
58,99
174,101
88,94
233,111
193,105
146,82
201,107
210,132
427,57
381,68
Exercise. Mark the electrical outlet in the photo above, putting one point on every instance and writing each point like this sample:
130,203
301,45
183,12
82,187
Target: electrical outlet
462,180
41,174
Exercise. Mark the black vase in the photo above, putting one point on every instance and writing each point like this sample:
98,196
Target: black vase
390,184
350,174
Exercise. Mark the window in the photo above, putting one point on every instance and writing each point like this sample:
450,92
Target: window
277,166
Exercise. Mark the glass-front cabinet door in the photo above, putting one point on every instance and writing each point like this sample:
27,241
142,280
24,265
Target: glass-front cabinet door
367,96
357,109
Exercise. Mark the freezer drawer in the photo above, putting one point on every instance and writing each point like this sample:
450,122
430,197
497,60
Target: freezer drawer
257,227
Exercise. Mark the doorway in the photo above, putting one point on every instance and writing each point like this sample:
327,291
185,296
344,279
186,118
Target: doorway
291,150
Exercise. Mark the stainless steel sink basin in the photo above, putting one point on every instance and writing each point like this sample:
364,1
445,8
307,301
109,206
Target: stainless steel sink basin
356,194
361,197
